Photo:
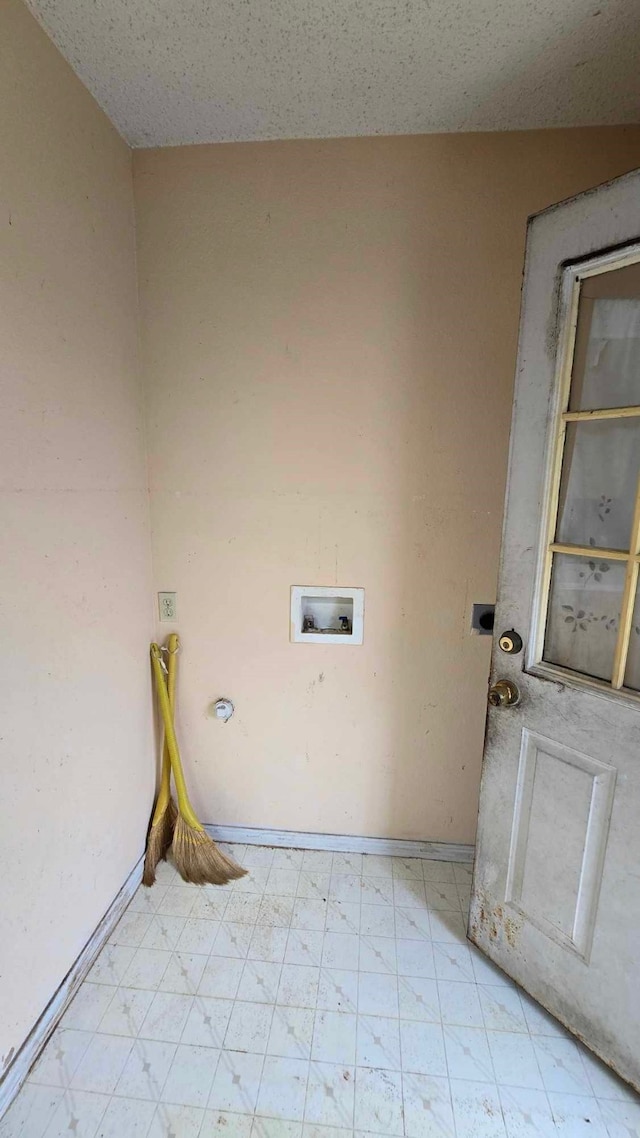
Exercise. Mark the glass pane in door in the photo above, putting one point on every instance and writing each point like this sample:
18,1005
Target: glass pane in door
606,362
583,614
599,483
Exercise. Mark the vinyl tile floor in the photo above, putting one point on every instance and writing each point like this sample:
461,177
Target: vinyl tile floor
322,996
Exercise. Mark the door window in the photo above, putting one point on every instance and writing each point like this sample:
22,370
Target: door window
592,547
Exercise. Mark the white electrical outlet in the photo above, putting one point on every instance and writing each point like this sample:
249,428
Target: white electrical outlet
167,606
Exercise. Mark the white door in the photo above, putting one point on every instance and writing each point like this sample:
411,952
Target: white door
556,894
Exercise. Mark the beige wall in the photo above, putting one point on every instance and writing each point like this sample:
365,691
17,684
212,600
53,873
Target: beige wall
77,765
328,338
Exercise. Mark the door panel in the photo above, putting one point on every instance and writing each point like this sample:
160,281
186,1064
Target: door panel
556,894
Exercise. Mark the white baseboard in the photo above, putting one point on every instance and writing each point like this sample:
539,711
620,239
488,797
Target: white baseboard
341,843
16,1073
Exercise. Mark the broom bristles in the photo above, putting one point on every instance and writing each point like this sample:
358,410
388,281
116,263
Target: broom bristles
158,841
198,858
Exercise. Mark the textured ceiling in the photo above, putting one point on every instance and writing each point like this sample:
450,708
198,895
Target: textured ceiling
178,71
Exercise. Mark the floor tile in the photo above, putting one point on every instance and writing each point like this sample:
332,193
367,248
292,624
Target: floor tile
249,1027
501,1008
538,1021
282,882
126,1116
438,870
341,950
298,985
276,911
309,913
409,893
378,954
259,981
277,1128
468,1055
291,1032
477,1109
576,1116
233,939
243,908
102,1064
415,958
283,1088
418,998
377,920
146,1069
442,897
334,1037
412,924
526,1113
377,865
317,861
222,1124
126,1012
147,900
255,881
453,962
347,863
377,994
131,928
198,935
166,1017
61,1057
345,887
288,859
171,1121
183,973
190,1076
427,1107
111,964
314,886
447,928
304,946
337,990
604,1083
376,891
208,906
78,1113
621,1119
258,855
221,977
176,903
408,867
31,1112
514,1060
87,1007
561,1066
422,1048
460,1004
378,1101
378,1042
163,932
236,1082
147,968
207,1021
330,1094
268,943
343,917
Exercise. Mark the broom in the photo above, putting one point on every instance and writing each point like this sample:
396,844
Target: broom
165,813
197,857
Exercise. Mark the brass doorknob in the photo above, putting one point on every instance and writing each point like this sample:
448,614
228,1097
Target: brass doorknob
504,693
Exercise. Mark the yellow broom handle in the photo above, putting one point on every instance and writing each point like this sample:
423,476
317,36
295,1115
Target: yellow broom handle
184,805
164,792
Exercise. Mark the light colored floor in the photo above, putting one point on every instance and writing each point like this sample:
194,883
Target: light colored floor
323,994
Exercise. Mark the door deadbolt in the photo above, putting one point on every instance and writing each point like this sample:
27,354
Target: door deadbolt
511,642
504,693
